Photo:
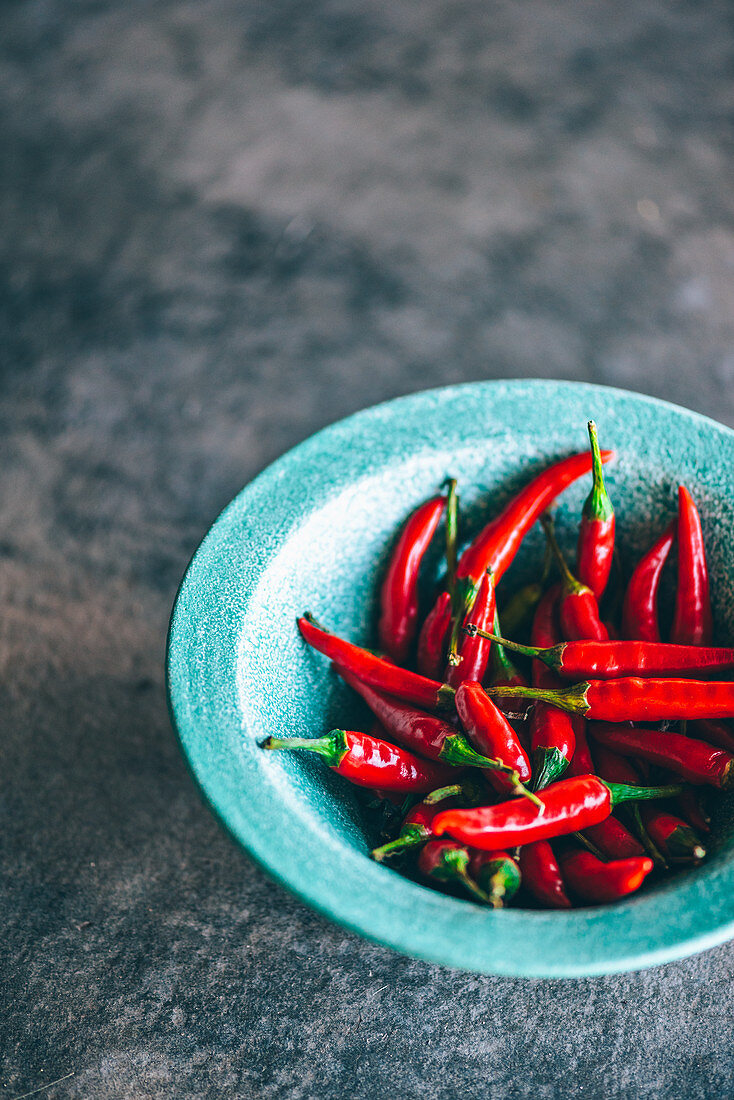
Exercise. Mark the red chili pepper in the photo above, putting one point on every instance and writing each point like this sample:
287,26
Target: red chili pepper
541,875
640,608
676,839
433,636
415,829
399,592
613,840
428,735
578,607
716,733
692,760
568,806
496,874
583,660
445,861
377,672
470,662
595,881
498,542
552,733
636,700
692,624
369,762
595,547
491,733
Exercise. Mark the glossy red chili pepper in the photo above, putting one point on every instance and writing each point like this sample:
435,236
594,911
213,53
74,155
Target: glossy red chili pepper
595,881
568,806
491,734
446,861
716,733
369,762
634,699
585,660
377,672
433,637
497,874
470,662
692,623
595,547
577,607
613,840
428,735
692,760
552,733
415,830
541,875
674,837
640,608
498,542
399,592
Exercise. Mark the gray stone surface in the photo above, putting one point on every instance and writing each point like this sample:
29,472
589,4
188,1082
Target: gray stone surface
224,226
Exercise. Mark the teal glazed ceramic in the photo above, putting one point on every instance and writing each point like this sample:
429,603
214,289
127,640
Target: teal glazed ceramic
312,532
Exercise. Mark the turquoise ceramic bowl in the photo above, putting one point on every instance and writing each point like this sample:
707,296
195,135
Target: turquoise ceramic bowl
313,531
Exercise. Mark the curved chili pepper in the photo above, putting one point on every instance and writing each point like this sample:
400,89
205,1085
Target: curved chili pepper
568,806
415,829
595,548
552,733
541,875
716,733
676,839
428,735
613,840
578,607
498,542
446,861
377,672
633,699
692,623
470,662
692,760
582,660
433,636
369,762
399,592
496,874
595,881
640,608
491,733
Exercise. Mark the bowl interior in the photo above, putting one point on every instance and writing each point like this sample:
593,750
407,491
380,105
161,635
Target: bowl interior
313,532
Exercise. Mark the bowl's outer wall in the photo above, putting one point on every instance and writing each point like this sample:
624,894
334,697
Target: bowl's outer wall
312,532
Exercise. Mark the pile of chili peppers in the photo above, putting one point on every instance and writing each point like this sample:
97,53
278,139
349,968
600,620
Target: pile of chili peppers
551,750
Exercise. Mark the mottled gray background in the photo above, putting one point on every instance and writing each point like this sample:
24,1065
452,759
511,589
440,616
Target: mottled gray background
224,225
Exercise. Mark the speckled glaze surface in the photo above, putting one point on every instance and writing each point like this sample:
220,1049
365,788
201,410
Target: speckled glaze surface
312,531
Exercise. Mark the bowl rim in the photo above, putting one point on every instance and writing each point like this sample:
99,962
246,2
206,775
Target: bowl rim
195,715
